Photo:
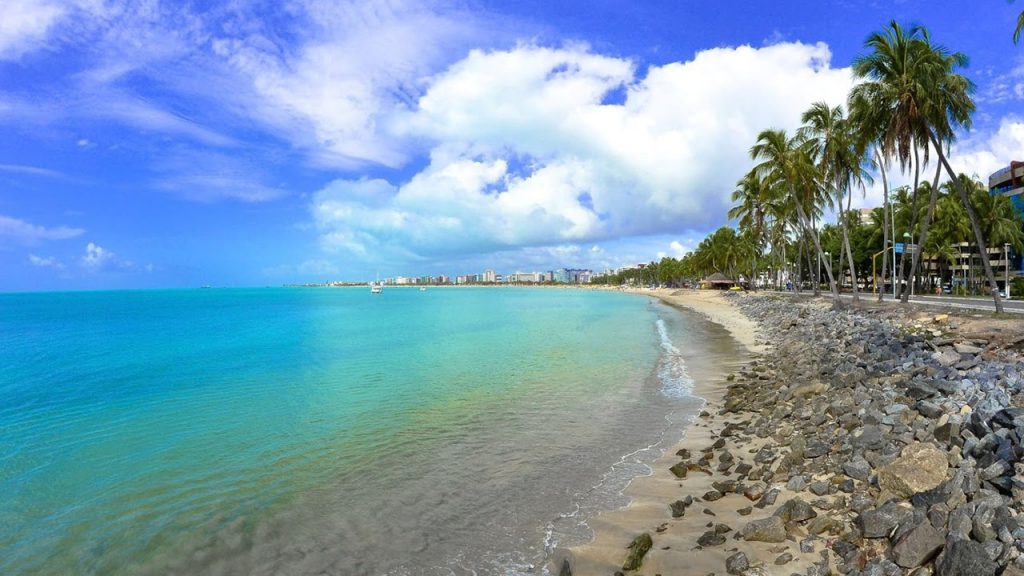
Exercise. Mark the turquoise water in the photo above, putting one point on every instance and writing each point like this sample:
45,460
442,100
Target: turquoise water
307,431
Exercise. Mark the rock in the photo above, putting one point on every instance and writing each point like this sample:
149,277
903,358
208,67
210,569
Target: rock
796,484
858,469
816,449
770,529
928,409
755,491
966,349
881,522
823,524
870,438
796,510
679,506
819,488
745,511
807,545
566,569
742,469
784,559
684,454
737,563
711,538
712,495
638,549
920,467
679,469
917,546
963,557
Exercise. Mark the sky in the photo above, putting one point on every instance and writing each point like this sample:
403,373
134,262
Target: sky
175,144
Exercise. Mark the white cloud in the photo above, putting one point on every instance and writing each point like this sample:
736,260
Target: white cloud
981,155
27,233
31,170
355,63
318,267
25,25
528,151
677,248
96,257
45,262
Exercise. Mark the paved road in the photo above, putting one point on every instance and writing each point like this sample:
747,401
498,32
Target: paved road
986,304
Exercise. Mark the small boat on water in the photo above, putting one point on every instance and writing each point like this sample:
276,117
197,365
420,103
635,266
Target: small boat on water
423,288
376,288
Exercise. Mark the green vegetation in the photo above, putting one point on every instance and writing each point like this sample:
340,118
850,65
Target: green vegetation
905,111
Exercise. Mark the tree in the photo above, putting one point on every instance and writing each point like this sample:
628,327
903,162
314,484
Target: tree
840,162
912,97
788,163
1019,29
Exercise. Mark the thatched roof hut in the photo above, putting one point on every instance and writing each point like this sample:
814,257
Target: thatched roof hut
718,281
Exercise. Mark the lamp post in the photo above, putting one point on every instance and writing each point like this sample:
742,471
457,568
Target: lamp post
1006,261
828,257
906,246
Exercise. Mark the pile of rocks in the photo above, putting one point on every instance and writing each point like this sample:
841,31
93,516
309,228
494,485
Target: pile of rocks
904,446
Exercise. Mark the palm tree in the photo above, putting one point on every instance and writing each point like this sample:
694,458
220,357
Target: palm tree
828,134
1019,29
749,212
912,96
787,162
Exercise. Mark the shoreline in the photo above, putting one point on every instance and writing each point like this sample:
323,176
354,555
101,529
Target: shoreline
866,440
649,511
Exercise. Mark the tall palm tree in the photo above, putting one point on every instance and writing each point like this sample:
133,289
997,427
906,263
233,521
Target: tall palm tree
840,162
1019,29
911,89
749,212
788,163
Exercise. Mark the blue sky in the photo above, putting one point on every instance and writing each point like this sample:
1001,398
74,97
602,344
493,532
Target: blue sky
150,144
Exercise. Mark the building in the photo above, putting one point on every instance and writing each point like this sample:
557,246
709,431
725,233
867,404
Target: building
489,277
1009,182
865,215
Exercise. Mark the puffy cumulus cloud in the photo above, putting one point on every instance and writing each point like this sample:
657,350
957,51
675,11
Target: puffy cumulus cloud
96,257
536,146
24,232
983,154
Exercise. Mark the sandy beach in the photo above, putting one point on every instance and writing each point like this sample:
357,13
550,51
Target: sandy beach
676,549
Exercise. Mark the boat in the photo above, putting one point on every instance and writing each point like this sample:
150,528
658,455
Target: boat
376,287
423,288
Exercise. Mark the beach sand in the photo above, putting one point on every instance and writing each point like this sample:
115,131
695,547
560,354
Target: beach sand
675,549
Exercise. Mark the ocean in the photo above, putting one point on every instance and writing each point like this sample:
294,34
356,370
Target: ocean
328,430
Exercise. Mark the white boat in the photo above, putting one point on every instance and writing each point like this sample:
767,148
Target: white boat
376,287
423,288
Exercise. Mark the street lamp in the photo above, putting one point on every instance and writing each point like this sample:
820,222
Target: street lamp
906,247
1006,262
828,257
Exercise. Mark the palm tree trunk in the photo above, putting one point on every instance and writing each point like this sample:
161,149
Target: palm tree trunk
978,236
846,245
904,285
885,225
817,246
932,199
800,262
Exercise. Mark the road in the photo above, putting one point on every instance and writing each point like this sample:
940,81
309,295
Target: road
985,304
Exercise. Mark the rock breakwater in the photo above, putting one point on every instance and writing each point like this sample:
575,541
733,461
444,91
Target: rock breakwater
904,437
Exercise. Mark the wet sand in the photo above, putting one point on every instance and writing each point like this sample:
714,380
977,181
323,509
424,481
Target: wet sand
675,549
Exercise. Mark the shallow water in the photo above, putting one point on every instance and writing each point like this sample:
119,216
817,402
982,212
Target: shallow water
307,431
